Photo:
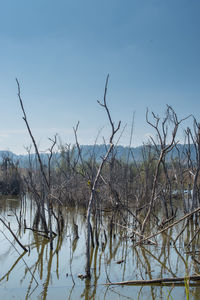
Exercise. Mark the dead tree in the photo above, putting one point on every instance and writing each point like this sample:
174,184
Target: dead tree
45,179
97,177
164,145
179,171
195,166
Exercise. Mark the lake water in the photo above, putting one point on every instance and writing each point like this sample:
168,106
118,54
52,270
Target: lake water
45,274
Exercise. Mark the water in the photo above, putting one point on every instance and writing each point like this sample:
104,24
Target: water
45,274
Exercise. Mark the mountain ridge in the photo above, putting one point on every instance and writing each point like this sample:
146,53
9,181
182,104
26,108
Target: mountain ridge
124,153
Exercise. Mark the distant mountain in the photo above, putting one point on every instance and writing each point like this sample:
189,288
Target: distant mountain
9,154
98,151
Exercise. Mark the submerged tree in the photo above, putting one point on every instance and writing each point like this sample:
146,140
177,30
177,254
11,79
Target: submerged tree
45,195
97,177
163,146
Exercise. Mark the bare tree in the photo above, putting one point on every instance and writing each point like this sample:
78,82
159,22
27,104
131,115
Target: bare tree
45,179
179,172
97,177
195,167
164,145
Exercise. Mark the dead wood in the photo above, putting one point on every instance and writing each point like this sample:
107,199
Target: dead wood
156,281
171,225
97,177
24,248
41,232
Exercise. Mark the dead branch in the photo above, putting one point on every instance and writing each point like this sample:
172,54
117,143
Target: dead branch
156,281
190,242
20,244
31,135
171,225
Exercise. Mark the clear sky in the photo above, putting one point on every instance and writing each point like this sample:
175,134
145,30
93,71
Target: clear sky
61,52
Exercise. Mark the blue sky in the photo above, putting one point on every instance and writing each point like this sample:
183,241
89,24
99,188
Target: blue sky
61,52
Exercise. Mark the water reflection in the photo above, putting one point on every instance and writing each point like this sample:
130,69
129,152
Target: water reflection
45,274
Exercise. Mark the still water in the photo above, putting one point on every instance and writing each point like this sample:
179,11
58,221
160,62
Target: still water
45,274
